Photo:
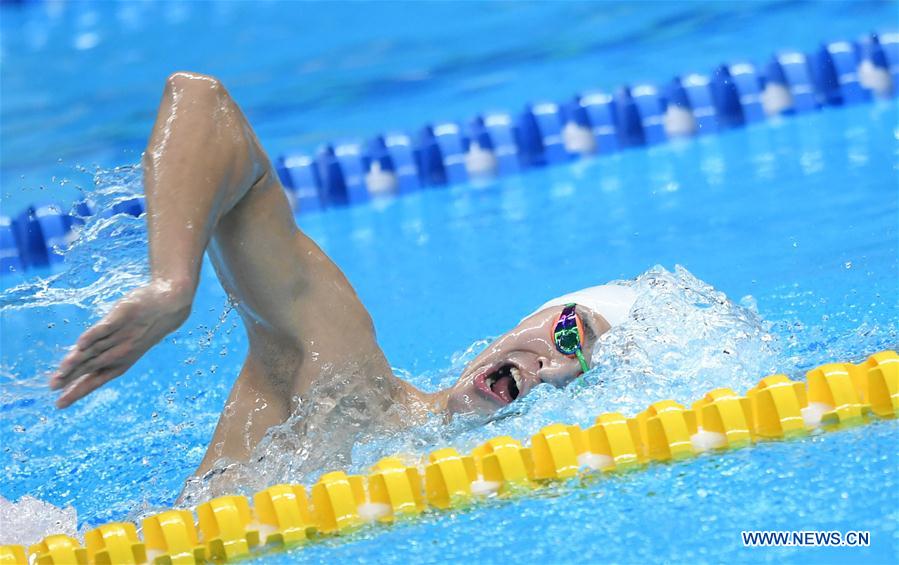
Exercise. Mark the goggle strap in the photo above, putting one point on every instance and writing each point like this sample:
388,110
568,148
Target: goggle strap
581,360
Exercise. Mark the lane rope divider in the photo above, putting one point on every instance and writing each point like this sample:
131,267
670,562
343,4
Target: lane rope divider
227,528
495,144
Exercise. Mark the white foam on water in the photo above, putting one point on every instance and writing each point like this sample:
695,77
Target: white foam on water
681,339
29,520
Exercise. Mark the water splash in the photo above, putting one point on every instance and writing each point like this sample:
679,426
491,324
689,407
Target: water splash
342,410
682,339
163,400
29,520
105,257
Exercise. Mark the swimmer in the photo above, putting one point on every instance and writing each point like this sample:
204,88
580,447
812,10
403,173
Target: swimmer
210,187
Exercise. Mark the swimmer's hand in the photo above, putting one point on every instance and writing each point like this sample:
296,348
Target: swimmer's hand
111,346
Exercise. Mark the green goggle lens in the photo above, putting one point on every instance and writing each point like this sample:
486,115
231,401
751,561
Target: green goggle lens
568,341
567,335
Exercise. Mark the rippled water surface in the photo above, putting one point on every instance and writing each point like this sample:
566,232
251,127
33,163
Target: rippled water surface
81,80
773,248
794,222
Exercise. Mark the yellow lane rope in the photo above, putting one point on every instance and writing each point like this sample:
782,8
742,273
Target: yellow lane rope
286,516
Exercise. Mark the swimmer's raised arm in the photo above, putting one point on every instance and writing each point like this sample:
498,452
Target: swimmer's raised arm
195,169
209,185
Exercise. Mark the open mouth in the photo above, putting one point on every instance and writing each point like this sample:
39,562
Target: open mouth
503,384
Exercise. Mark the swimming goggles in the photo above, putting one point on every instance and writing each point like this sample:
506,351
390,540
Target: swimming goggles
568,335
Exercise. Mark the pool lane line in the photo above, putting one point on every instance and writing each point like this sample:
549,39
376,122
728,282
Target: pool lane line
287,516
496,144
493,144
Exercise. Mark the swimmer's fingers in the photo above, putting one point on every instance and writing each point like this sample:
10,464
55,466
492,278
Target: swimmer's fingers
117,349
96,340
72,366
87,385
76,363
101,330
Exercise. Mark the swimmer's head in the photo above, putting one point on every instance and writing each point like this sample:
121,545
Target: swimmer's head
521,359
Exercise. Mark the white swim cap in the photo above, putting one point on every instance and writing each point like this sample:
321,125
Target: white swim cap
612,302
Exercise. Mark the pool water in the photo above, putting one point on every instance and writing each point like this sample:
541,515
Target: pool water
794,220
82,80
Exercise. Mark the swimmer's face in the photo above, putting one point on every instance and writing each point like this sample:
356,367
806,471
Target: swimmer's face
518,361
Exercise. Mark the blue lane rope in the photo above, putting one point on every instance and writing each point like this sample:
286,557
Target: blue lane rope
500,144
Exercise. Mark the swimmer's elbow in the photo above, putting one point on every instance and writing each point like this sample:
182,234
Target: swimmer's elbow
212,146
195,85
205,108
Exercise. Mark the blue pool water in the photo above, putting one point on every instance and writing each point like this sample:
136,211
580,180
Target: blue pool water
795,221
82,80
